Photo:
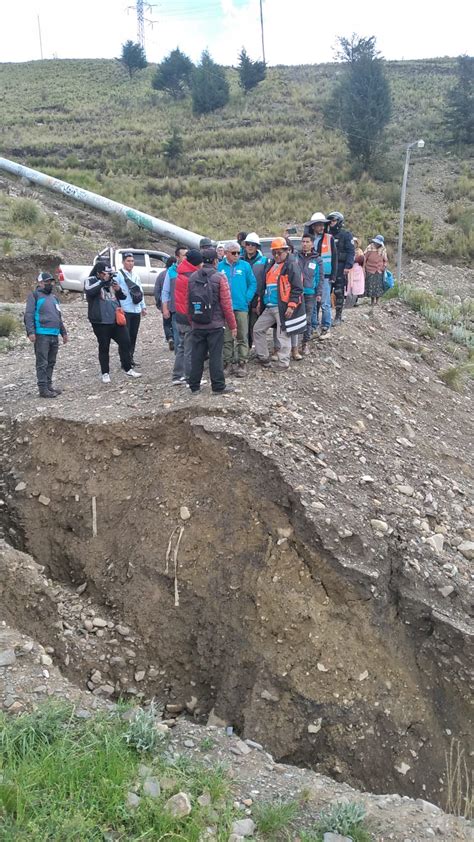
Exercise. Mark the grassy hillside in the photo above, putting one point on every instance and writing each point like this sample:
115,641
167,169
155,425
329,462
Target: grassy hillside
262,162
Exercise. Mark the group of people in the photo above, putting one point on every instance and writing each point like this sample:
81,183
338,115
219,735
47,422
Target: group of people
219,303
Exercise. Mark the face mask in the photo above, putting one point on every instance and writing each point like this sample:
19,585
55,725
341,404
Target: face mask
47,288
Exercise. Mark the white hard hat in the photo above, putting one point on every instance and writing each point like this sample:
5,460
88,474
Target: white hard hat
318,217
252,238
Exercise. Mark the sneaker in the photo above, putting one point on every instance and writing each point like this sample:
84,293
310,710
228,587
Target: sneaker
178,381
45,393
280,366
171,344
132,373
105,378
194,391
225,391
55,390
265,362
325,334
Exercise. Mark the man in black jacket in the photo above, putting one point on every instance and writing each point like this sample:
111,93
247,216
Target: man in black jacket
345,259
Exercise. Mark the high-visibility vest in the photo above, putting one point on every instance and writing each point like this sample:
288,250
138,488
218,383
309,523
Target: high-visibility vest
325,250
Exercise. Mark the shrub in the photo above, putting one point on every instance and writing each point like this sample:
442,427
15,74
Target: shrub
133,57
346,819
141,733
25,212
173,74
8,324
275,817
251,73
210,88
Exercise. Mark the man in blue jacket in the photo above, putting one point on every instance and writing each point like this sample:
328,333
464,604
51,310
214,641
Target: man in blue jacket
243,287
44,323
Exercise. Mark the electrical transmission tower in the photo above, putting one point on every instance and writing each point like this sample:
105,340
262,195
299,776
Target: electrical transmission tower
141,23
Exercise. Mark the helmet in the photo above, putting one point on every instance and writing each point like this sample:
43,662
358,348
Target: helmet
336,215
45,276
252,238
279,243
318,217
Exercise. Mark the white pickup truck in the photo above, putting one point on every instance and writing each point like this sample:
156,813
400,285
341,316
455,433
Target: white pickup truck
148,263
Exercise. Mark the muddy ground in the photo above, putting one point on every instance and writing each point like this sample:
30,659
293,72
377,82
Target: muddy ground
318,522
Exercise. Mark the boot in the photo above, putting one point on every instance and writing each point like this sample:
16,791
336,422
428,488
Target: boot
240,370
295,354
45,393
305,349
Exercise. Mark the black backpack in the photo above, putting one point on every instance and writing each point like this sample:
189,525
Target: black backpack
201,299
135,292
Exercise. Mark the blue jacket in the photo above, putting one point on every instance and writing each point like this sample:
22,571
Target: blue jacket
43,314
242,283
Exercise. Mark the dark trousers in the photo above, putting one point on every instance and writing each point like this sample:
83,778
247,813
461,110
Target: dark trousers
168,328
338,288
133,325
252,319
203,342
46,351
120,335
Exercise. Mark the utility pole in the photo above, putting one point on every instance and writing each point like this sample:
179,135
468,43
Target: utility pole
420,144
261,26
39,34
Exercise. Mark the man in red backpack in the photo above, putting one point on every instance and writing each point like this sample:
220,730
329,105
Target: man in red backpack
209,308
182,363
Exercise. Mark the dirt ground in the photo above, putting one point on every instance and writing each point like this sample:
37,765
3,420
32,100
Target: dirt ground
314,528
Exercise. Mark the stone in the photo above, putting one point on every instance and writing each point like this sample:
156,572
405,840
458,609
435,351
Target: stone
189,744
215,720
366,478
315,727
446,591
132,800
235,837
436,542
174,708
46,660
270,696
243,827
123,631
21,486
403,768
405,364
321,667
336,837
45,501
243,747
285,532
116,451
99,623
178,805
379,525
363,675
330,474
184,513
405,442
467,549
139,675
81,713
7,658
81,588
408,490
192,704
205,800
144,771
162,728
151,787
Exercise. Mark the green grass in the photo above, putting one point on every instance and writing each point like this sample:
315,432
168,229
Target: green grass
455,320
275,819
347,819
67,779
247,164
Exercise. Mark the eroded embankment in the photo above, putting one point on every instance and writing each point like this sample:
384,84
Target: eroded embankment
293,647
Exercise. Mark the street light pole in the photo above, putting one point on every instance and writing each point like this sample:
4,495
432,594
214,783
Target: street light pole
420,144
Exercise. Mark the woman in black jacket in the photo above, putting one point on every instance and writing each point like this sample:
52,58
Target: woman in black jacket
103,295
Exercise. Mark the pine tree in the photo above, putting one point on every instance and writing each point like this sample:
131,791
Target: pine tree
133,57
251,73
173,146
460,103
173,74
210,88
360,106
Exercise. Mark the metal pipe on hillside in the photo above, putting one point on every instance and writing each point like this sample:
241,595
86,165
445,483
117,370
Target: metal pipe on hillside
93,200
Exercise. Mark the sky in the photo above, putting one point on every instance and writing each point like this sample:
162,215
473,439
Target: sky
296,31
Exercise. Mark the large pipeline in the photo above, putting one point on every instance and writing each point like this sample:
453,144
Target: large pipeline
93,200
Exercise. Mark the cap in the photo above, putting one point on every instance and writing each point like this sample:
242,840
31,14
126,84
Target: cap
194,257
209,255
45,276
127,254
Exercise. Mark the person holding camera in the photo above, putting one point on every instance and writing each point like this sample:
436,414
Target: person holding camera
104,295
133,304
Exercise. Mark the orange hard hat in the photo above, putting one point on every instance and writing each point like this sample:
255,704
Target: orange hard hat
279,243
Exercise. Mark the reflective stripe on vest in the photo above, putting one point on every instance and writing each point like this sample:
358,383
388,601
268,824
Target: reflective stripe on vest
326,254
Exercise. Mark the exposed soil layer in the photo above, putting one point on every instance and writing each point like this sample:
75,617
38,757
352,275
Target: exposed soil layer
311,652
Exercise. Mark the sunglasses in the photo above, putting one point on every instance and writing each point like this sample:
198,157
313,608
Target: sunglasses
234,252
